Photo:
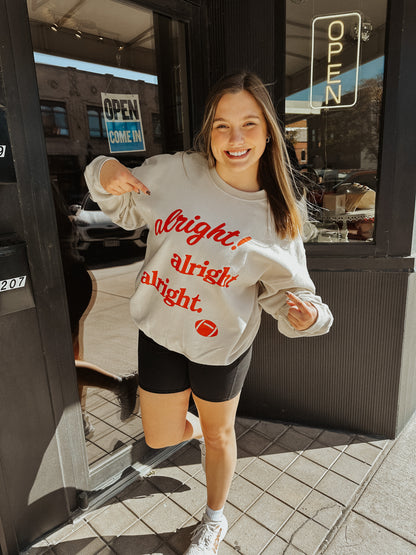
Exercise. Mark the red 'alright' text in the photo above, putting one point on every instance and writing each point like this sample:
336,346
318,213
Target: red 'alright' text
196,229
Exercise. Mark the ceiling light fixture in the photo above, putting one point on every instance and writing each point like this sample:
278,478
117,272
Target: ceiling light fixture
54,27
78,35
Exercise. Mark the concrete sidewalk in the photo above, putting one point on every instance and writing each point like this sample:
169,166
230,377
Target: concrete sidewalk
296,489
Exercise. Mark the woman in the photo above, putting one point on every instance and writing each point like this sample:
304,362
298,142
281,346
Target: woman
224,243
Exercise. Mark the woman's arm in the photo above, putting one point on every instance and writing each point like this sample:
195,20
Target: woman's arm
116,191
299,312
116,179
288,294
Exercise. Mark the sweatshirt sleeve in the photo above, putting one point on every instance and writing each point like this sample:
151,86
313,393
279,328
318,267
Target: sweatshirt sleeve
292,275
124,210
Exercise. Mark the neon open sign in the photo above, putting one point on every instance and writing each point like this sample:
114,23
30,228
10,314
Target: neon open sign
334,71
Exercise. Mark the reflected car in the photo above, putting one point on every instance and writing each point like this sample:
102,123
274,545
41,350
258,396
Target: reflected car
93,227
333,179
363,177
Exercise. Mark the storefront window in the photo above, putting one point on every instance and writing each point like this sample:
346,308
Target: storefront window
334,92
54,119
96,122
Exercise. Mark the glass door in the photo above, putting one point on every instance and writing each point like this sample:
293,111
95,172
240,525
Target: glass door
112,80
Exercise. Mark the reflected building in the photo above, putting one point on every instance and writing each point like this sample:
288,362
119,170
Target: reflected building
74,126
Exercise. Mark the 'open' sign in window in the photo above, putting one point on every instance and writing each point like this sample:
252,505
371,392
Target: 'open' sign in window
123,122
335,60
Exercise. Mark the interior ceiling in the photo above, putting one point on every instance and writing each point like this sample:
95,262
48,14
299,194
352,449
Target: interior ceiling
130,26
113,20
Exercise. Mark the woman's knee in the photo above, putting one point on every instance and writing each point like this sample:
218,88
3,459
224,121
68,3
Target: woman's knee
219,438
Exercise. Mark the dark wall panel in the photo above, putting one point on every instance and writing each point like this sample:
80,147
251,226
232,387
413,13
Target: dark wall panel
34,485
348,379
252,46
242,36
396,205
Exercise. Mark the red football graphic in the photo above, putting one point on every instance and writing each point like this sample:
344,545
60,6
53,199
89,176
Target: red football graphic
206,328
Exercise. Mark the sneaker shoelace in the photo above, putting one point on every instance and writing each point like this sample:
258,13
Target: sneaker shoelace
205,534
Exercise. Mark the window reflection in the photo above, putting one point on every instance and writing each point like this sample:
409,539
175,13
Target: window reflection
96,122
334,93
157,129
54,119
84,52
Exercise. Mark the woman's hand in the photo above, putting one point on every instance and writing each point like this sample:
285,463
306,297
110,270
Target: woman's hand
302,314
116,179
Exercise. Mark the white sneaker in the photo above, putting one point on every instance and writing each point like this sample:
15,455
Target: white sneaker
88,427
207,536
203,452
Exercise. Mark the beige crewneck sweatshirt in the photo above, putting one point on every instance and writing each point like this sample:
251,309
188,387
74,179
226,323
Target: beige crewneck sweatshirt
213,259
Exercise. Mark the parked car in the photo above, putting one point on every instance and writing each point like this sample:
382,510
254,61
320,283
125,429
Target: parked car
93,227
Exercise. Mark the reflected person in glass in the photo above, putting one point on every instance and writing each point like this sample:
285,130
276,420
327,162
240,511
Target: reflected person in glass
78,288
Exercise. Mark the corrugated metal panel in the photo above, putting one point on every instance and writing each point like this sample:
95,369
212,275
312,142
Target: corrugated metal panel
249,44
347,379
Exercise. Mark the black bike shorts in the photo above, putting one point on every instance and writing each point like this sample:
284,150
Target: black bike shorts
165,371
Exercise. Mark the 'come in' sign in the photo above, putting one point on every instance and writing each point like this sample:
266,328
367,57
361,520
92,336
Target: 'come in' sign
123,122
335,60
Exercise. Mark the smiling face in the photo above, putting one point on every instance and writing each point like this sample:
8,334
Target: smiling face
238,139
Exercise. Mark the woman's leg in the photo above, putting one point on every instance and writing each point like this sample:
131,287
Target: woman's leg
166,420
217,423
124,387
89,374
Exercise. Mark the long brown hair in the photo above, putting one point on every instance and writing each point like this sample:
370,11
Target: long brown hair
273,172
